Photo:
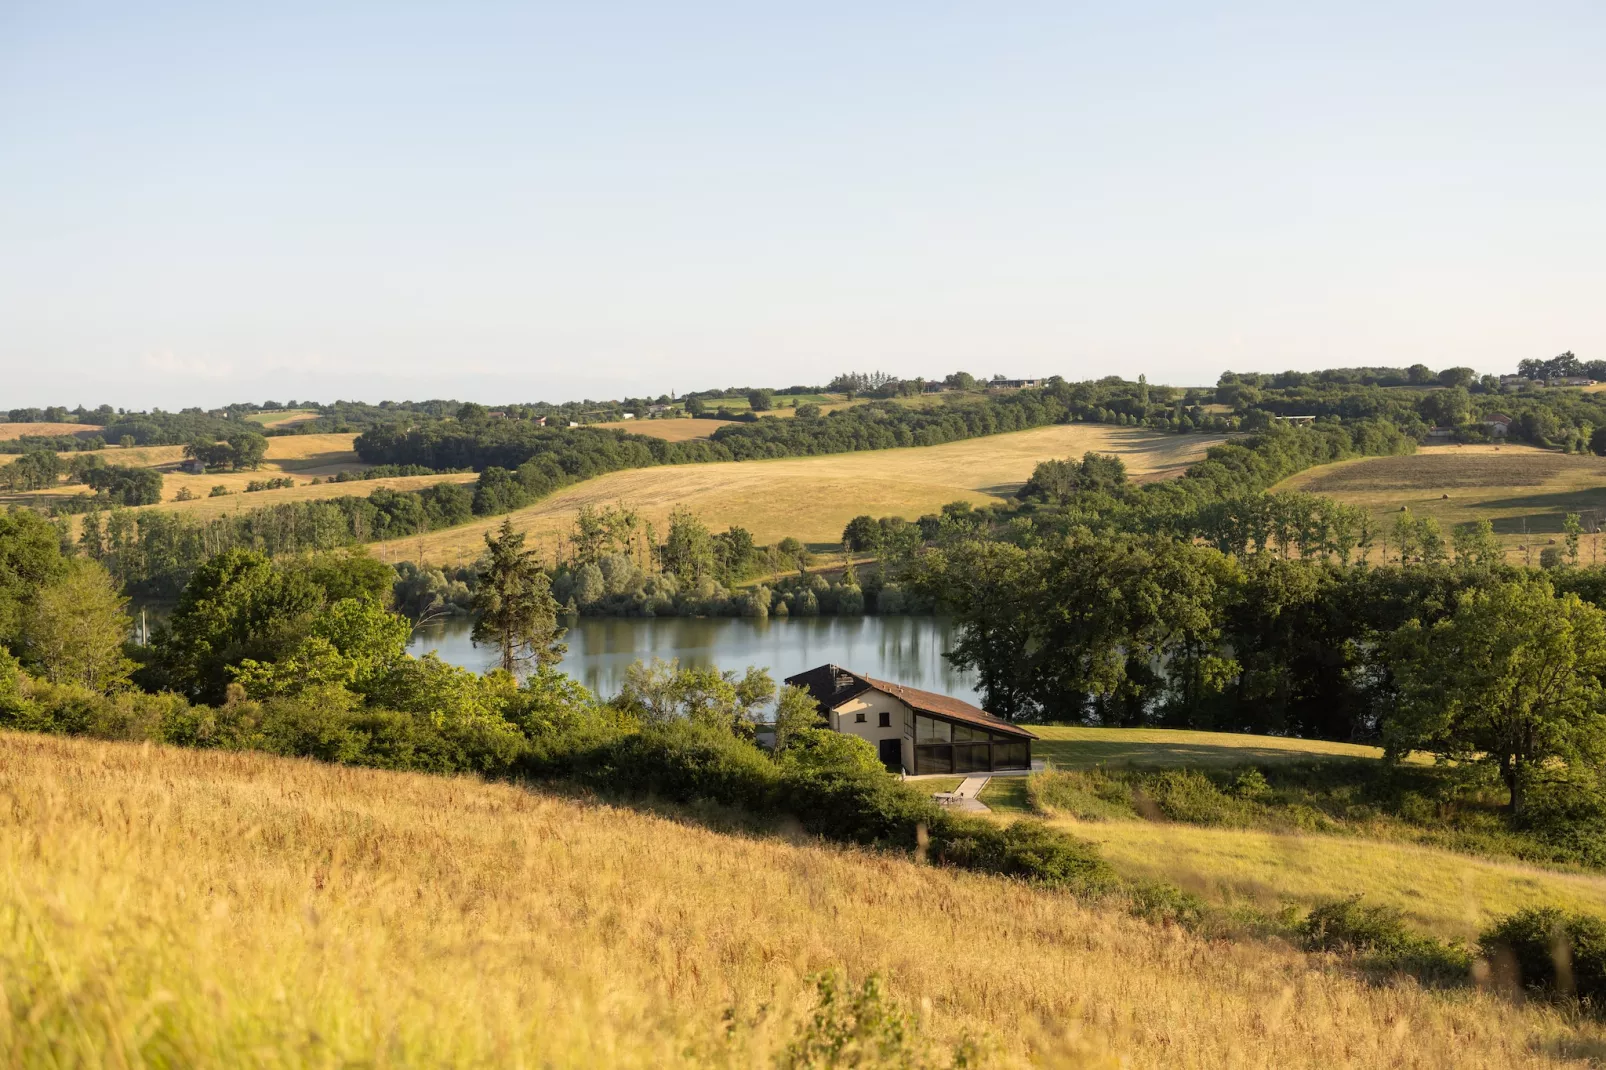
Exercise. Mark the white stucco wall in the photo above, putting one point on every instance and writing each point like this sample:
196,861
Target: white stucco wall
872,704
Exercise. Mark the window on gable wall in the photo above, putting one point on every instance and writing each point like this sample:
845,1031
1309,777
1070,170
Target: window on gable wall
886,719
858,718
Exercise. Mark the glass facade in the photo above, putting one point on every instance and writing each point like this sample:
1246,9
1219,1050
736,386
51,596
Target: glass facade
947,747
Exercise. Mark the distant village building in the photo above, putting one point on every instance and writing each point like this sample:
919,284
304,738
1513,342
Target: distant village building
1294,419
1014,384
654,410
1440,434
627,416
1498,424
540,421
1572,380
916,731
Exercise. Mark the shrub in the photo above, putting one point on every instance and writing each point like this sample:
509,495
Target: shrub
1085,795
1187,795
1554,951
1378,937
1027,849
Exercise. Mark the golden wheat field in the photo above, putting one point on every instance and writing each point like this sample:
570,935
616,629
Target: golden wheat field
1525,492
187,908
671,430
813,498
17,430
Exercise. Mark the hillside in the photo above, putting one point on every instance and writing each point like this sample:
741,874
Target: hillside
184,907
813,498
1524,491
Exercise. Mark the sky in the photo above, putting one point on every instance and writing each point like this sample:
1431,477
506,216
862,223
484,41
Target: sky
204,203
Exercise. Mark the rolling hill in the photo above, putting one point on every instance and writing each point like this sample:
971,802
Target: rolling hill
167,907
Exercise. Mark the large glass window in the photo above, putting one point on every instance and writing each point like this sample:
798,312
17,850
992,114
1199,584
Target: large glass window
934,758
931,730
972,758
1011,755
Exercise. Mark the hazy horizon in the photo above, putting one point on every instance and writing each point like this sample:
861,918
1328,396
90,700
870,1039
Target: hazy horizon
504,202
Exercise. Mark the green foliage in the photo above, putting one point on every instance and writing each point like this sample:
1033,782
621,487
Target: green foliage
865,1028
515,605
30,558
77,627
1512,677
1378,936
1552,951
812,749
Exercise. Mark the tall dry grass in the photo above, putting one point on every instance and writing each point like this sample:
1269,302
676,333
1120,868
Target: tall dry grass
163,907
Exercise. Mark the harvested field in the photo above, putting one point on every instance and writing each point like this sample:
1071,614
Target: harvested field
1523,491
11,431
1073,747
191,908
681,430
813,498
283,417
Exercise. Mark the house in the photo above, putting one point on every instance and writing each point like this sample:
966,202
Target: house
1294,419
540,421
627,416
1498,424
1440,434
916,731
1572,380
1014,384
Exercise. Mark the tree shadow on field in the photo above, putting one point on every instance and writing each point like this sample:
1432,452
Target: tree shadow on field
1070,753
1548,510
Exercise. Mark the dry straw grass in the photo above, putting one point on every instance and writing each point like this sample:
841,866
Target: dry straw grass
813,498
15,430
676,430
193,908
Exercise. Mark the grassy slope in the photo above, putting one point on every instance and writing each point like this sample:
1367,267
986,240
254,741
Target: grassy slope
1515,487
1451,895
216,909
813,498
283,417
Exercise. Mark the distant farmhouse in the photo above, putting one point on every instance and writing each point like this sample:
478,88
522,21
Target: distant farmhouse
1498,424
916,731
1000,383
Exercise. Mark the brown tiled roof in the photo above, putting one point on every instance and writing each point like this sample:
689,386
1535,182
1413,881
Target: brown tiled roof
832,685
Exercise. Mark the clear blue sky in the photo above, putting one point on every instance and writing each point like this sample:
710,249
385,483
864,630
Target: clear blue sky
209,202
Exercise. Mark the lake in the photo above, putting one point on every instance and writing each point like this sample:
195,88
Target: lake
905,650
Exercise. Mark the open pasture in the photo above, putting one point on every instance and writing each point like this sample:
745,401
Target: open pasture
672,430
1075,747
1523,491
9,431
283,417
813,498
1441,892
166,907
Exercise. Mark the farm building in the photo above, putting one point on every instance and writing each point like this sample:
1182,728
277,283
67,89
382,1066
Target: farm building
1498,424
1440,434
1014,384
916,731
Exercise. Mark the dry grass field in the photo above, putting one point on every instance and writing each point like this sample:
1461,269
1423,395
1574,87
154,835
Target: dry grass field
172,908
813,498
300,457
677,430
1525,492
283,417
10,431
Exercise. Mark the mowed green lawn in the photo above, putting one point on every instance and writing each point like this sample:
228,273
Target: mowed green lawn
1068,747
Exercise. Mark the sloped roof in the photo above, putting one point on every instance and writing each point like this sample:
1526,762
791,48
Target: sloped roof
832,685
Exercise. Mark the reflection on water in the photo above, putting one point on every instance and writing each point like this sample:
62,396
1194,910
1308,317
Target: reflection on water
905,650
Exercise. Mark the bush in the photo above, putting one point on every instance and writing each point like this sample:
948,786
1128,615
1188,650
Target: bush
1085,795
1186,795
1027,849
1554,951
1377,935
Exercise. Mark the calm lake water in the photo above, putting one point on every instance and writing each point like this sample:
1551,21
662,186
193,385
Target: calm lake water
905,650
